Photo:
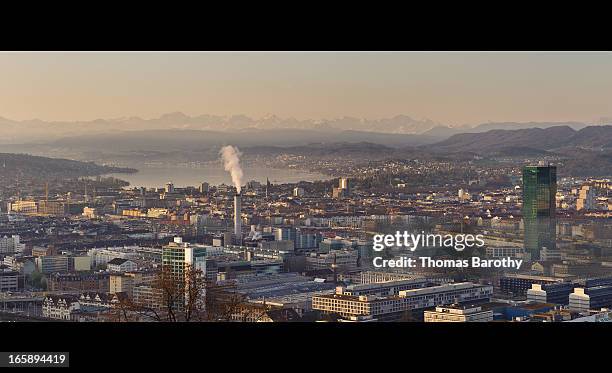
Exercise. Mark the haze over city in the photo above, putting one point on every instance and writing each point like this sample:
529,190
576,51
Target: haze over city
452,88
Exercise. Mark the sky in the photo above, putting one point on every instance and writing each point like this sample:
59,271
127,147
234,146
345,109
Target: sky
448,87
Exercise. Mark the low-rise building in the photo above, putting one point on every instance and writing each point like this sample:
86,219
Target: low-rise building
591,298
52,264
25,265
9,279
392,307
79,281
342,259
9,245
518,284
121,283
60,307
121,265
550,293
458,314
148,297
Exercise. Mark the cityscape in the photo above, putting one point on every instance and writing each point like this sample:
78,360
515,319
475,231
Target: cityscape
252,220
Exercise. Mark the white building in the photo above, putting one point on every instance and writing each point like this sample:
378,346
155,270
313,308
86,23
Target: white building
121,265
298,192
59,307
9,245
103,256
392,307
458,314
343,259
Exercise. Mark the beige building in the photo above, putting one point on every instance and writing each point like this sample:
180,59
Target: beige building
125,282
458,314
585,199
148,297
24,207
90,212
82,263
157,213
393,306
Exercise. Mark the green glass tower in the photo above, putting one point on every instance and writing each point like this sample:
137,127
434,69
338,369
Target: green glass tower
539,215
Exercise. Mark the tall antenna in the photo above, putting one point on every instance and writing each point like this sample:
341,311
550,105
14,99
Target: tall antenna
47,191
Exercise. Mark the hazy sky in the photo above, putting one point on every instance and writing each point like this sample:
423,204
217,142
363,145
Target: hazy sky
452,88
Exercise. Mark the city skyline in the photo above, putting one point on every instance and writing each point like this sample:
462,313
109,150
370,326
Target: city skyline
196,217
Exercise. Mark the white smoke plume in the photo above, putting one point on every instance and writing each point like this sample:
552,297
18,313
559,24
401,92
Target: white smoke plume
231,163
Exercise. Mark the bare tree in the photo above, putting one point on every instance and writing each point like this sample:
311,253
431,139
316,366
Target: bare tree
224,303
171,291
194,294
188,297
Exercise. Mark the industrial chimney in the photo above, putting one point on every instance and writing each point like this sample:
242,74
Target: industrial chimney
237,219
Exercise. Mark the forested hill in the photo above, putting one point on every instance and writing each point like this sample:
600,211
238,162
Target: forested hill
28,166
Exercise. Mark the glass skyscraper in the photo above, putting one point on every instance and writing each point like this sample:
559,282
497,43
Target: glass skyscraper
539,215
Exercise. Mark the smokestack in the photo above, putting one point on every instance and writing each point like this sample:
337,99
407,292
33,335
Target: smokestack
237,219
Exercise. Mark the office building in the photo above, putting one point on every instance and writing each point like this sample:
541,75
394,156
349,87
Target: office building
23,207
557,293
384,288
539,214
594,298
285,234
148,297
392,307
178,256
586,198
60,208
52,264
519,284
9,279
458,314
342,259
307,239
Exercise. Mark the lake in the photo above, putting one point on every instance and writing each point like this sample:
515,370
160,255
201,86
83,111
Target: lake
156,177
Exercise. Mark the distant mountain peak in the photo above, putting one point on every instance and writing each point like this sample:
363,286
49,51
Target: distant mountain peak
175,115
